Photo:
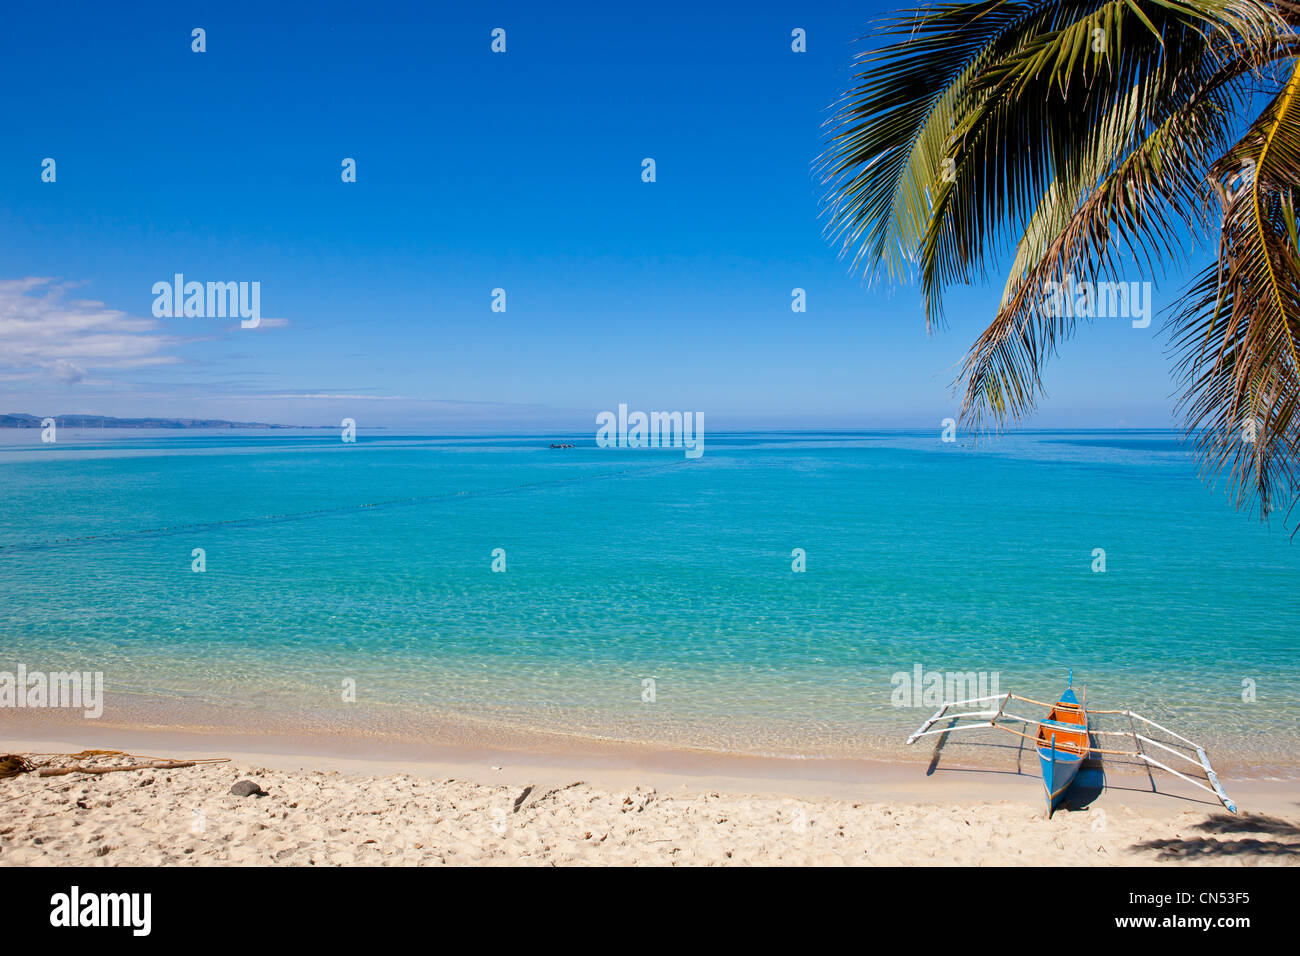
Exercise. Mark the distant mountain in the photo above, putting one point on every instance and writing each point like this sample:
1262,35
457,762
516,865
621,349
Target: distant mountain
20,420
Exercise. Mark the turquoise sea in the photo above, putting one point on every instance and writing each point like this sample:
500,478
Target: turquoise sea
329,563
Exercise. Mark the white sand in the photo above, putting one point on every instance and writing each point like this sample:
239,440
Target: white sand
322,811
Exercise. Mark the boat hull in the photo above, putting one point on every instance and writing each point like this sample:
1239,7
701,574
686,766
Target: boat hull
1063,745
1059,770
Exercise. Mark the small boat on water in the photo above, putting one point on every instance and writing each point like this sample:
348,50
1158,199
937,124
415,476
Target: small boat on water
1062,745
1064,739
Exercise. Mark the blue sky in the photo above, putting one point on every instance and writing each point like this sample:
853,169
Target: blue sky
474,171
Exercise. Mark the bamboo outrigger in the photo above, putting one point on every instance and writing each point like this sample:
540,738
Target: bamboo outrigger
1062,748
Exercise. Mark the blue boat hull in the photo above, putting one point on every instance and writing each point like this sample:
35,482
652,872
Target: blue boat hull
1059,767
1059,770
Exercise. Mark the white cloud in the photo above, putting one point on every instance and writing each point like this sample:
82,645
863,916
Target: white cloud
263,325
44,333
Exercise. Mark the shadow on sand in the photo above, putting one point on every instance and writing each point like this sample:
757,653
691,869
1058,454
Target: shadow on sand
1223,824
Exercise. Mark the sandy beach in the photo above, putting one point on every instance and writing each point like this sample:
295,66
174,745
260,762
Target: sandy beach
531,809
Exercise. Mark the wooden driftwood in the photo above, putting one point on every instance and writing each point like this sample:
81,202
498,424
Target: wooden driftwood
78,768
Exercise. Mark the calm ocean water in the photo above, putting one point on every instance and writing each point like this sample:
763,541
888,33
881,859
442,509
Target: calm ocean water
371,562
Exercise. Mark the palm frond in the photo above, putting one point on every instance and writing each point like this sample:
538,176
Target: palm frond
953,133
1074,137
891,133
1142,204
1238,330
1034,126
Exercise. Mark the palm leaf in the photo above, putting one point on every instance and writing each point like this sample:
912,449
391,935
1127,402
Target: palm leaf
1074,138
1238,330
1142,204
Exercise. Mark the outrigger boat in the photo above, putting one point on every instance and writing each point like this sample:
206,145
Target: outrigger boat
1063,739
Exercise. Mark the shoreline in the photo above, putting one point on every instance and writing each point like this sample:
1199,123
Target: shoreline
932,776
459,738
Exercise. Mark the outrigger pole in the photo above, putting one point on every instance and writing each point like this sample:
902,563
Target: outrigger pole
1000,713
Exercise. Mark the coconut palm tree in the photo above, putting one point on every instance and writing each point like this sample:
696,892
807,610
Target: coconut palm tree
1050,139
